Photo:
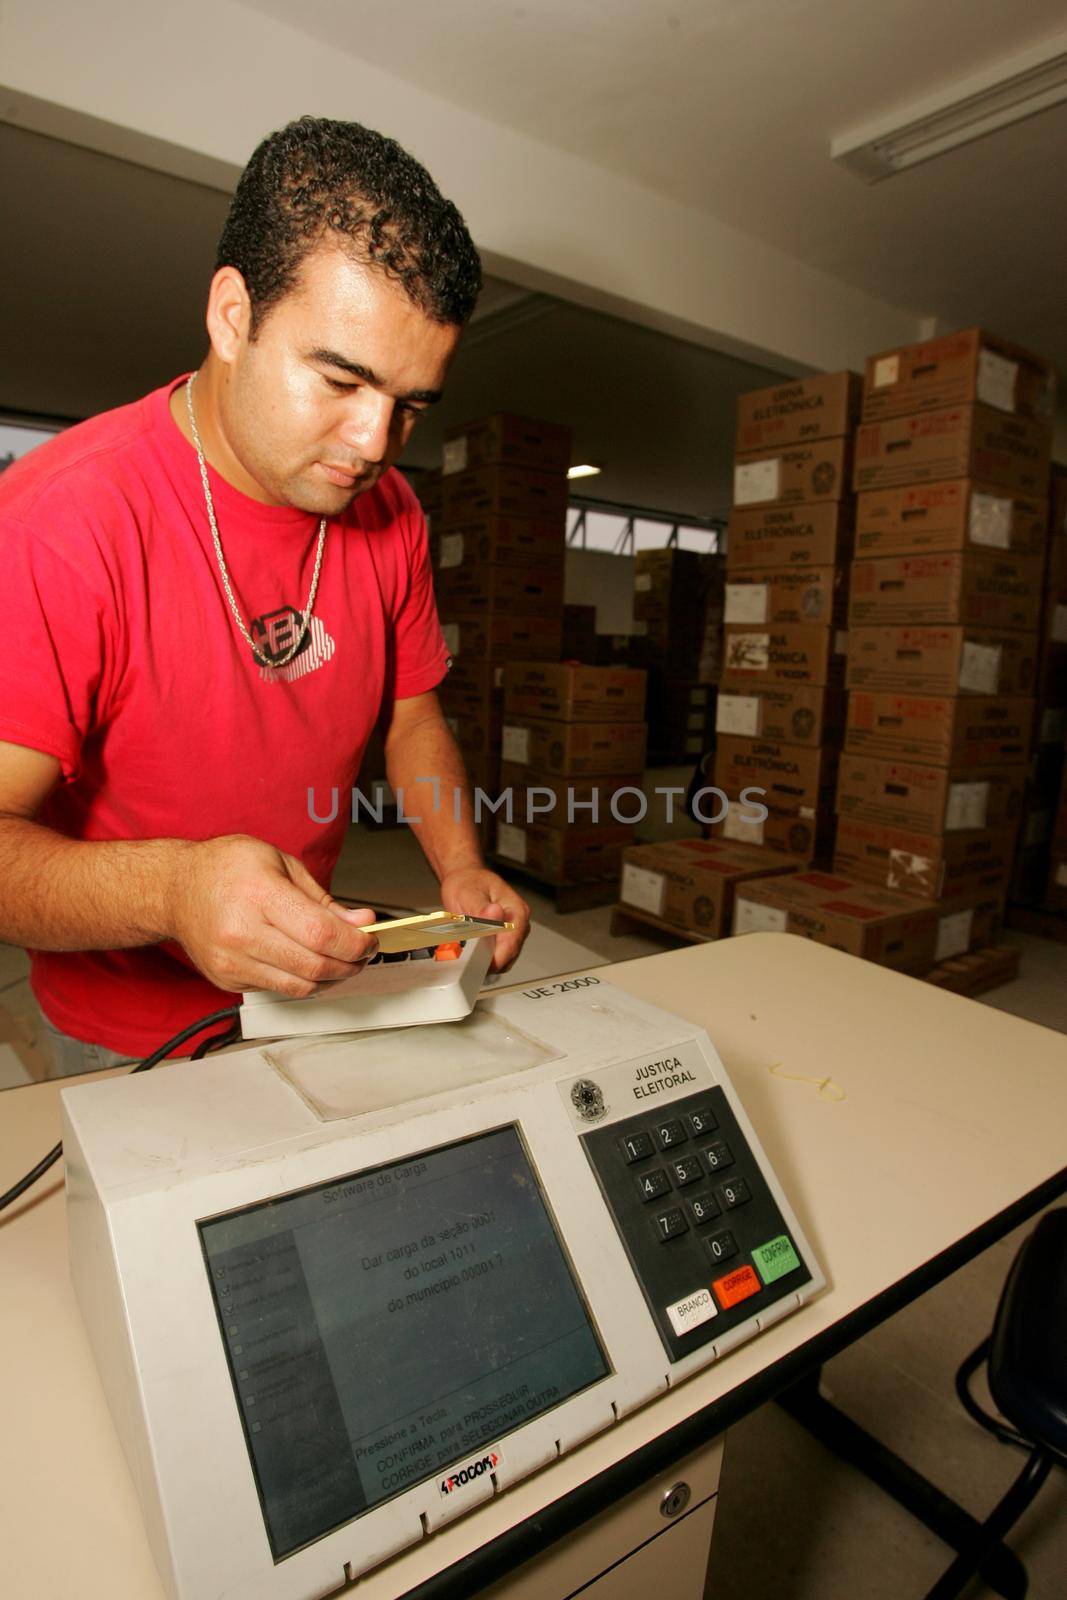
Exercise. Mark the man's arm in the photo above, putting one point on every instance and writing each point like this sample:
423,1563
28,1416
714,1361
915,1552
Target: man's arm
423,761
249,916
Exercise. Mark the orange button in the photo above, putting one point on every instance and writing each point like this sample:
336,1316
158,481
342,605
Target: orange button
448,952
736,1285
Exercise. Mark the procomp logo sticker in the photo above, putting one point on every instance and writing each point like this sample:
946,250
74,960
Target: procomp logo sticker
468,1472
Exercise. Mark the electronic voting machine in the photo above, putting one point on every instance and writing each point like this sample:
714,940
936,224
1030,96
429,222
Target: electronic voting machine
342,1290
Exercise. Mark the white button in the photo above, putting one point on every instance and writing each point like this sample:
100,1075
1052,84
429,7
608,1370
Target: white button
689,1313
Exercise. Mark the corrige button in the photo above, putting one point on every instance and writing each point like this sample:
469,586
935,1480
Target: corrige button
736,1286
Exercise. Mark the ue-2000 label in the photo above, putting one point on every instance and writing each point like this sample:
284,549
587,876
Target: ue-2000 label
468,1472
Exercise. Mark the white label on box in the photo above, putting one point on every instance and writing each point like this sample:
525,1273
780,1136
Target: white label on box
693,747
510,841
451,636
738,713
451,552
498,677
907,868
1061,875
980,667
1053,725
1058,626
989,520
757,480
967,806
747,602
692,1312
454,455
886,371
643,888
515,744
736,825
841,642
996,380
807,812
643,582
695,721
749,917
749,652
953,934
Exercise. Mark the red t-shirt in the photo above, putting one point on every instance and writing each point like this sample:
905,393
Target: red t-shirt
123,660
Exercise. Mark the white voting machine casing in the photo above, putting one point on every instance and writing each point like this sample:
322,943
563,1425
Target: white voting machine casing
385,994
342,1291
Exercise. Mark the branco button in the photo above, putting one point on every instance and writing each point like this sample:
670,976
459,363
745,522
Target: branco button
695,1309
736,1286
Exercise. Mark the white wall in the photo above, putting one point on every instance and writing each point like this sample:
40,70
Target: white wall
191,88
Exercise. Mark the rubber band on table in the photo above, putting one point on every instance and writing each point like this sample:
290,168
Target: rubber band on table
828,1089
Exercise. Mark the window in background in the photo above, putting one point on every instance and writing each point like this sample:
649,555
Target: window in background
16,438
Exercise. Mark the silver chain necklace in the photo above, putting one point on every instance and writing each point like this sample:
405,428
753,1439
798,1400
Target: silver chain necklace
263,660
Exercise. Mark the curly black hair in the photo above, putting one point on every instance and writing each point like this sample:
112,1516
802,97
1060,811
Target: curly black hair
317,178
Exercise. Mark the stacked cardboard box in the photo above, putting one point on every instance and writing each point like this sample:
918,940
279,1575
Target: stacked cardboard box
678,610
499,574
780,711
1032,870
855,917
688,885
952,459
573,740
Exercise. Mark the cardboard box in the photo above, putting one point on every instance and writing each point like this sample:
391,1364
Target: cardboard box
784,775
941,661
955,370
959,442
502,540
930,866
504,437
970,924
980,589
925,799
855,917
574,693
678,604
579,633
977,972
818,471
557,801
807,837
598,748
472,702
529,591
792,594
503,491
564,855
802,715
690,883
960,514
788,653
502,638
790,536
823,407
945,731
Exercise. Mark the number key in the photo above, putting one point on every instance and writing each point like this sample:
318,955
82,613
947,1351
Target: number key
734,1193
702,1121
653,1185
718,1155
721,1246
669,1224
702,1207
638,1147
686,1169
670,1133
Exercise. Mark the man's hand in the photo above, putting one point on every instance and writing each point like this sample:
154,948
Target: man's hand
480,893
251,917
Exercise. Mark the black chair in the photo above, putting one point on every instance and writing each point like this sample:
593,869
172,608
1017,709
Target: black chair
1026,1360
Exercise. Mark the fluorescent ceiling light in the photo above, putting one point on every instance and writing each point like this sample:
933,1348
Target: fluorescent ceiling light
1015,88
584,471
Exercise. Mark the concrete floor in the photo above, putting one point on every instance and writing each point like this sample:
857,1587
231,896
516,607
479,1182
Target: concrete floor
793,1522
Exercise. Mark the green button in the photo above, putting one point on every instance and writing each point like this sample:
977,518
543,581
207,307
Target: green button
775,1258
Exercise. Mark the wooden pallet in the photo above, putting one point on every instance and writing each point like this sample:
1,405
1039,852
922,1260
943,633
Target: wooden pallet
567,896
628,919
1045,922
977,971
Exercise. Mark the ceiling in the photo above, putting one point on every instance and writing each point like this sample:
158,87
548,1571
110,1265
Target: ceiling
730,106
105,302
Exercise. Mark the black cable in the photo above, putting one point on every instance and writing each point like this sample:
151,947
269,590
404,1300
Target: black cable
217,1041
229,1015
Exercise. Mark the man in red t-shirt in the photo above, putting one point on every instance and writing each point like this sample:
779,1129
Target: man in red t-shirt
212,594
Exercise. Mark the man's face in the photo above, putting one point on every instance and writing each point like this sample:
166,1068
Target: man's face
324,399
